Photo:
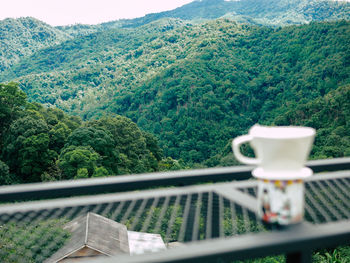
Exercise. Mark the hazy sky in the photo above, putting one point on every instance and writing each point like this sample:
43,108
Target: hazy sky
65,12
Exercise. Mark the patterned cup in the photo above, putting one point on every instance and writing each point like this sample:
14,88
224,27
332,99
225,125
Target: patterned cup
281,201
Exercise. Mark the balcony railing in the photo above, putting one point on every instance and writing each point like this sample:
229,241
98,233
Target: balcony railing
210,213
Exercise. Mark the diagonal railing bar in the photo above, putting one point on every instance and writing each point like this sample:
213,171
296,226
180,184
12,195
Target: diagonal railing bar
246,219
185,217
339,195
233,218
129,209
162,214
195,233
328,195
327,205
318,207
221,216
345,182
239,197
117,211
310,212
190,222
107,209
148,219
208,230
140,210
172,218
342,188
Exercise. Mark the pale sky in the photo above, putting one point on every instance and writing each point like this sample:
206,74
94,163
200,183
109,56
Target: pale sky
68,12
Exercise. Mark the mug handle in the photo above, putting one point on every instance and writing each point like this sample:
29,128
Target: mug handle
236,143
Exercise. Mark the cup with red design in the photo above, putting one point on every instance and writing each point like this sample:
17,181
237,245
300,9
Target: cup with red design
280,157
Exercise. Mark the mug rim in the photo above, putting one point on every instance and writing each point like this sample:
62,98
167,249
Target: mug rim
285,132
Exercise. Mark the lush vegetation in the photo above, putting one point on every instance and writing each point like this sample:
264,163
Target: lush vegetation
31,242
195,87
22,37
45,144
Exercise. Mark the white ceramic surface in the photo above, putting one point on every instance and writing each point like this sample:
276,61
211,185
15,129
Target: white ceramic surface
282,175
276,148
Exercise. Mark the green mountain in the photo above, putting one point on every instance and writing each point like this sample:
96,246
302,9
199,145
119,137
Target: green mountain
196,85
90,48
235,79
20,38
261,12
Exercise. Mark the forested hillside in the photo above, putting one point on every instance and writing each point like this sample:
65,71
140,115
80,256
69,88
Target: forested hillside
195,86
261,12
45,144
22,37
229,83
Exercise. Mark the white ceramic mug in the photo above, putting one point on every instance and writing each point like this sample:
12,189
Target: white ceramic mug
281,201
277,149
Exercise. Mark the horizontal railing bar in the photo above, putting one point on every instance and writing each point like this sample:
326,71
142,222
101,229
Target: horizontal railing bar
294,239
11,208
329,176
144,181
122,183
329,165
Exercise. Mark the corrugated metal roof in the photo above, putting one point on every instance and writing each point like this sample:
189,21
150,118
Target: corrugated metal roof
96,232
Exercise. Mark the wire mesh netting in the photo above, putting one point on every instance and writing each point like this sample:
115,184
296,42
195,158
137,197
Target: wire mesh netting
34,232
34,235
327,200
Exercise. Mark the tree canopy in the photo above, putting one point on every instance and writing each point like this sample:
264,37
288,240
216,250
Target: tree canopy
45,144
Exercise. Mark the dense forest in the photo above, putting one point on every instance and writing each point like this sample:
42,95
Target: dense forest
22,37
196,105
45,144
185,86
195,87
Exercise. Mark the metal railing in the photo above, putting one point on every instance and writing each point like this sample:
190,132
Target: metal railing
211,211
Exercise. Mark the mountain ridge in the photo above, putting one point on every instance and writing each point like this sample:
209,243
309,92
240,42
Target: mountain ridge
24,36
194,85
263,12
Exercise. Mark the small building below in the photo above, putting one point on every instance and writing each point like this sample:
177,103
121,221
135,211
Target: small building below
97,236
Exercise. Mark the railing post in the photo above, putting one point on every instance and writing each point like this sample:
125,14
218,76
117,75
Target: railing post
304,256
215,231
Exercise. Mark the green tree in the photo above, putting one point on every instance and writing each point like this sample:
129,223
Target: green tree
74,158
58,136
100,141
152,145
138,151
26,149
100,172
82,173
35,156
5,177
12,102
